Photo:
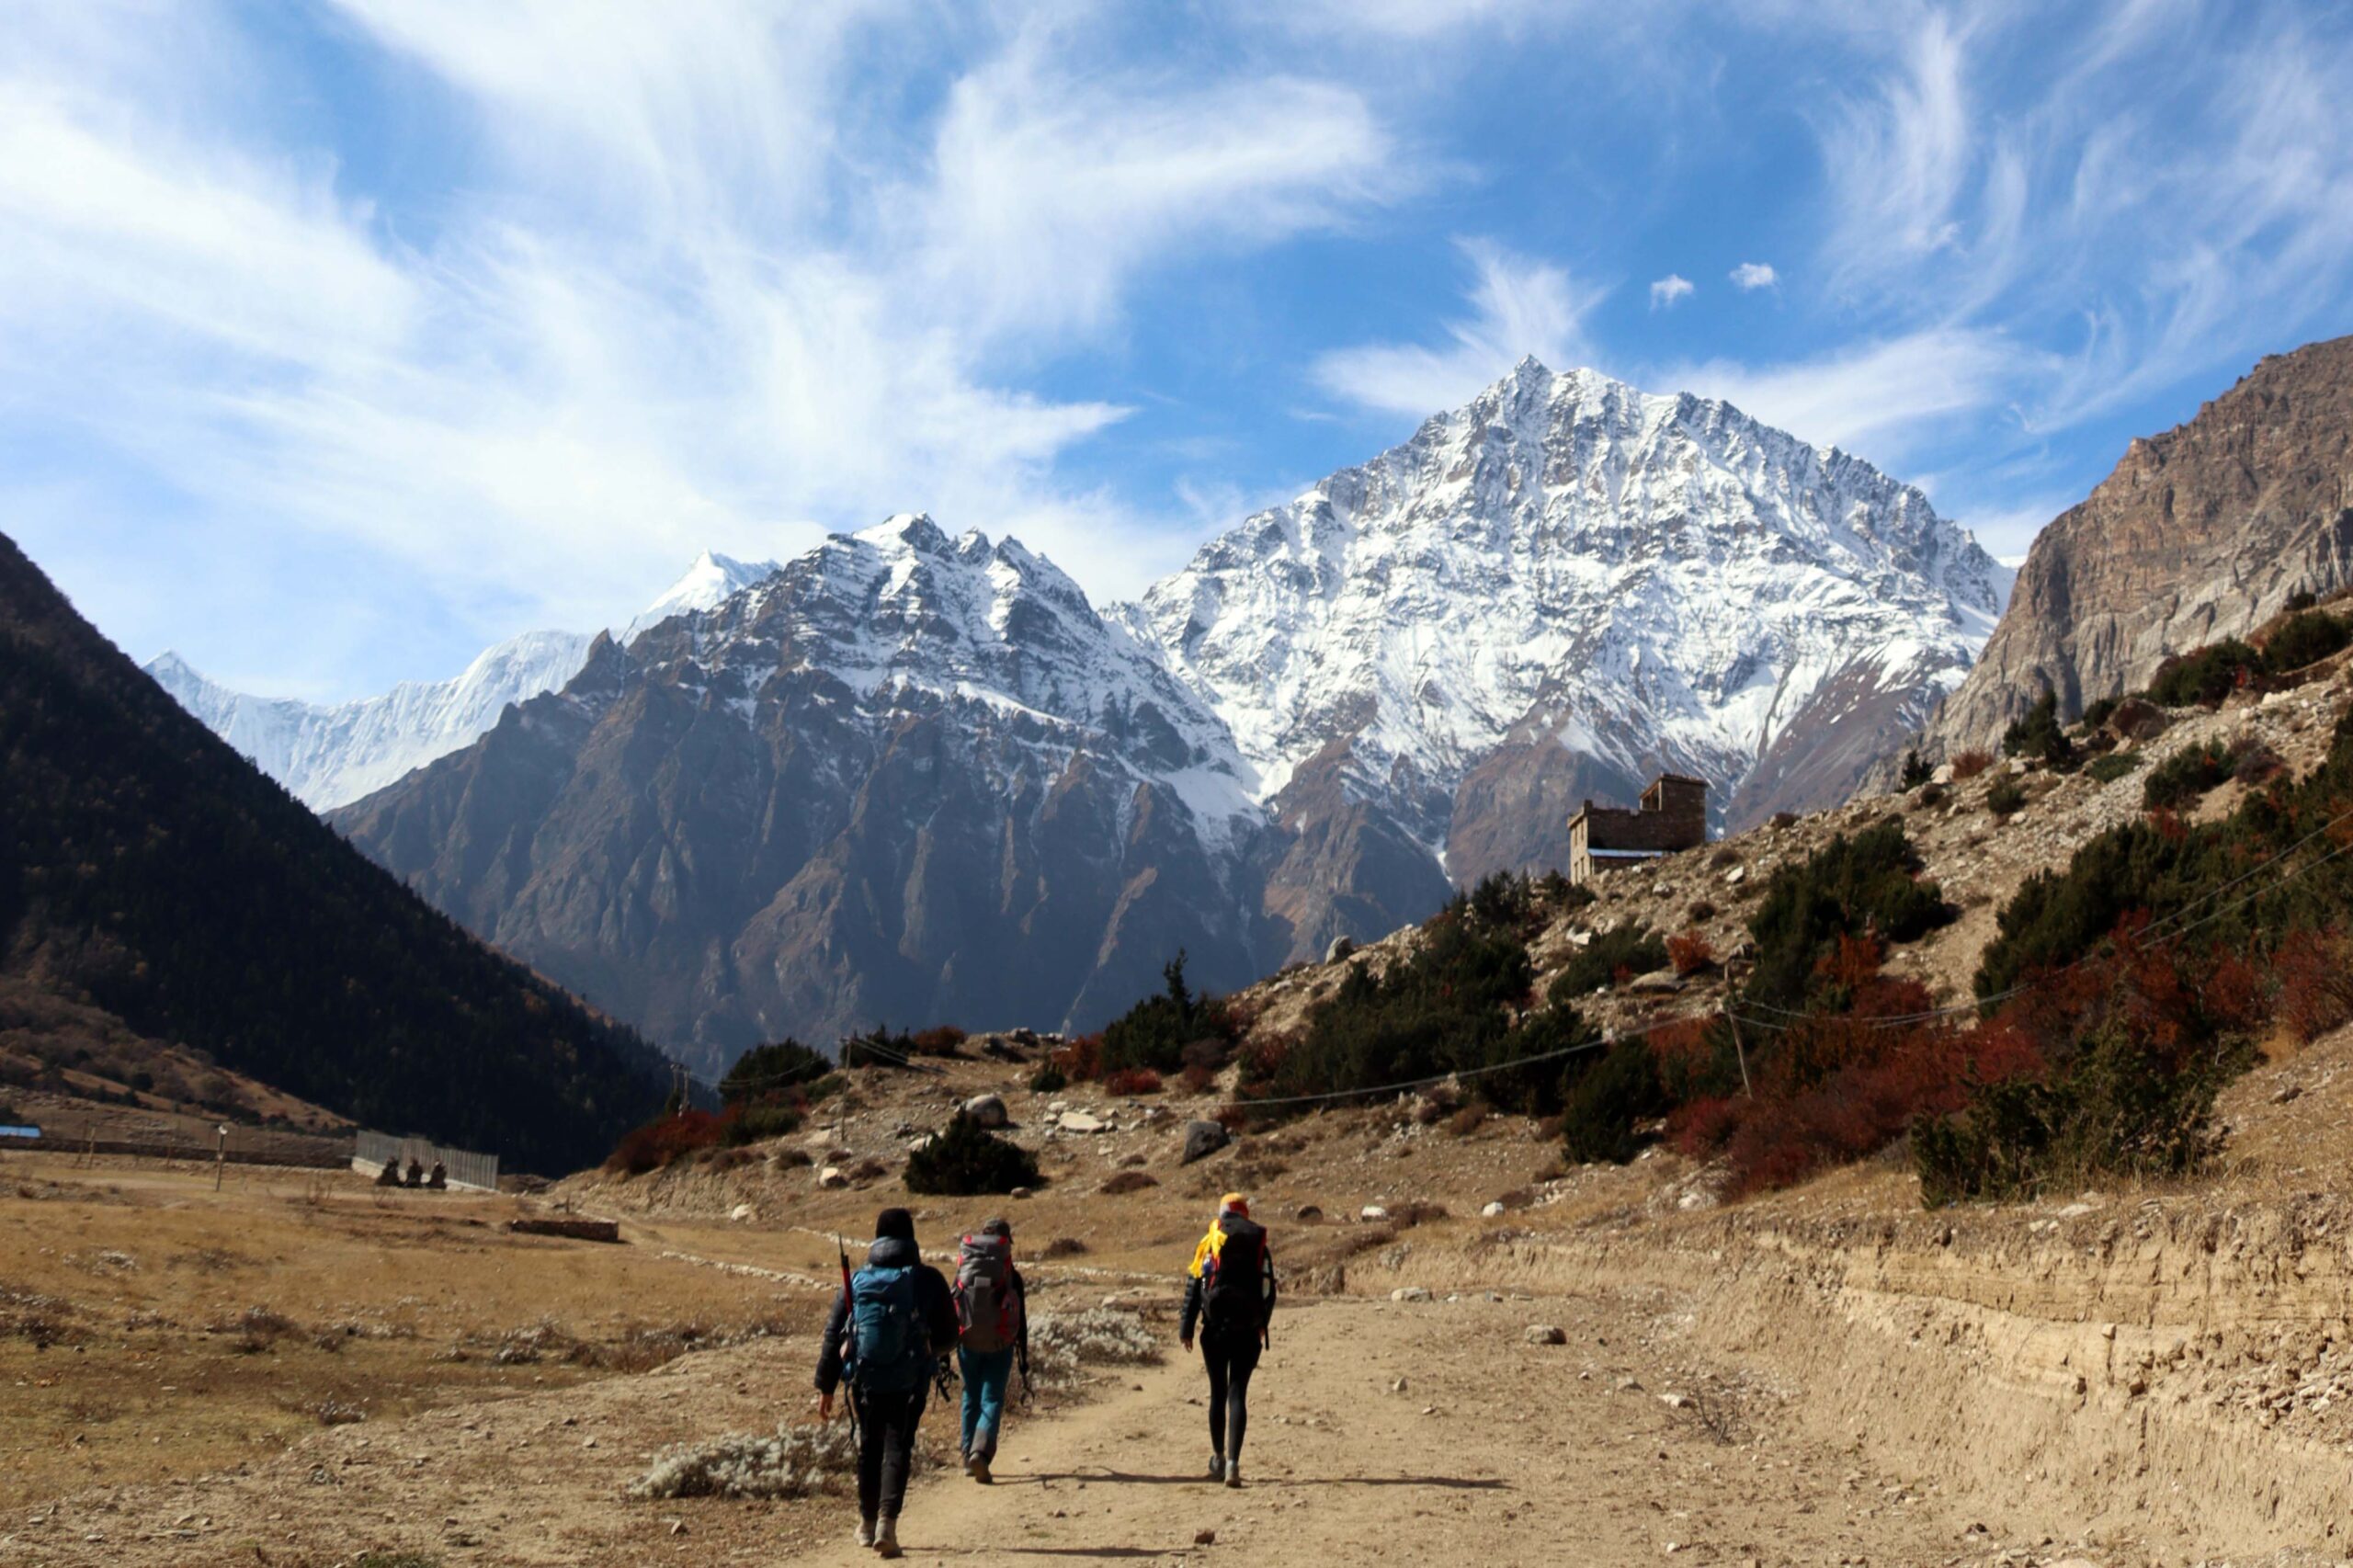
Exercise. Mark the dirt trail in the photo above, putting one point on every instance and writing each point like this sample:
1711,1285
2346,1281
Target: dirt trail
1494,1449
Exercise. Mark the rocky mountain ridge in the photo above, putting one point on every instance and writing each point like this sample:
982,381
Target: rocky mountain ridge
328,754
910,778
2203,532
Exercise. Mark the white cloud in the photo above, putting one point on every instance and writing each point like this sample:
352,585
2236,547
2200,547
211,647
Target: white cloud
668,310
1669,290
1878,398
1753,274
1518,306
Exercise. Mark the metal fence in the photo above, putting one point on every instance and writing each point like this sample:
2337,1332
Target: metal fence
465,1168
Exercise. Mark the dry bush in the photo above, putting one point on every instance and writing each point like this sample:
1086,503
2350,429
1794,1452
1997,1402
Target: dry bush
798,1462
789,1159
1724,858
1969,764
1690,952
256,1329
1125,1182
1129,1082
1467,1120
867,1170
1699,912
1197,1080
1064,1246
333,1411
1063,1343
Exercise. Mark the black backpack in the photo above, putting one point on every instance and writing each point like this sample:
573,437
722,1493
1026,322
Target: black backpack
1232,1295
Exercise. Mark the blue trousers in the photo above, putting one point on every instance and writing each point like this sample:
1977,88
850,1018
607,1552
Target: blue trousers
986,1373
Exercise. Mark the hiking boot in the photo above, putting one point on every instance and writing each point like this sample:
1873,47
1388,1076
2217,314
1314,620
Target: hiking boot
886,1539
981,1471
866,1532
973,1465
1234,1473
1217,1467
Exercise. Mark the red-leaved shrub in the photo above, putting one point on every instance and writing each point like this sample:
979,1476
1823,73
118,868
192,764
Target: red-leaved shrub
1689,953
1969,764
662,1140
1132,1080
2315,983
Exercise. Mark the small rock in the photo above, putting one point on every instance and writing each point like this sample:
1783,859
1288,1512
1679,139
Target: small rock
1372,1212
1546,1333
1410,1294
1018,1192
986,1110
1736,876
1397,1385
1675,1401
1629,1385
1205,1538
1079,1121
1492,1211
2285,1093
1658,981
1341,950
740,1213
832,1176
1203,1139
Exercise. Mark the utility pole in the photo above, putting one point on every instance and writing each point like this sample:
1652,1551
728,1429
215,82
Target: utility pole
1732,1021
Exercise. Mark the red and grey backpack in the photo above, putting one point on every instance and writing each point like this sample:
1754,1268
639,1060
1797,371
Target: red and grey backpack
988,1310
1233,1281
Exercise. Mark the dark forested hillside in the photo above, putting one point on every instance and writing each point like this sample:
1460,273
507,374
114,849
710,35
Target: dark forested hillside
147,868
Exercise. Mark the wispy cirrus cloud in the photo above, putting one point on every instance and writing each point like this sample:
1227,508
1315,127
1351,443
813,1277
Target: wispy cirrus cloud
645,325
1515,306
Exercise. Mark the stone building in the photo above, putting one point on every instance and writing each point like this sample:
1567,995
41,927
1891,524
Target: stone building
1673,815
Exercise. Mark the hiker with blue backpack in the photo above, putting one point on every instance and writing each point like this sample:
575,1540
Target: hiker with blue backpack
892,1324
1230,1295
993,1324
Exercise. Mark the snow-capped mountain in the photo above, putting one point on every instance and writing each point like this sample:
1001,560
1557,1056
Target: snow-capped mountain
1560,589
906,778
328,754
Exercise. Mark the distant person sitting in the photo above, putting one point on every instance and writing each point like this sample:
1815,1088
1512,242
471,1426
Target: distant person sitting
391,1175
415,1172
439,1180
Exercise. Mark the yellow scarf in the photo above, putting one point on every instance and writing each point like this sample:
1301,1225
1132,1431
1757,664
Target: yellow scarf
1213,1245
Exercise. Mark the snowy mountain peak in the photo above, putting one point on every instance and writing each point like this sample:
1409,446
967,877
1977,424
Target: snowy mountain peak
1642,581
710,582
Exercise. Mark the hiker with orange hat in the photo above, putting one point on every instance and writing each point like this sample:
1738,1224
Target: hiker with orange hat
1230,1295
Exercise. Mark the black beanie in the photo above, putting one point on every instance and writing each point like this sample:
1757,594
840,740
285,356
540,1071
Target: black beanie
896,1222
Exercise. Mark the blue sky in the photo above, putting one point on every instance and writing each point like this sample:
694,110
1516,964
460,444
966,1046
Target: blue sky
338,339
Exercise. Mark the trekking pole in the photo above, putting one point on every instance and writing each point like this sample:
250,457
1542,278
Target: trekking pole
849,1306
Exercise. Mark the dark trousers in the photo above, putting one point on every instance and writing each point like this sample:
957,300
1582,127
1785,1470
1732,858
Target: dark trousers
886,1447
1232,1356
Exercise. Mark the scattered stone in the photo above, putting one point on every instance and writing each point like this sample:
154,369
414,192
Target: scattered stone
1080,1121
1309,1214
1203,1139
1736,876
1018,1192
1676,1401
1494,1209
1629,1385
1341,950
1372,1212
1546,1333
1205,1538
832,1176
2285,1093
1397,1385
740,1213
1658,981
1410,1294
988,1110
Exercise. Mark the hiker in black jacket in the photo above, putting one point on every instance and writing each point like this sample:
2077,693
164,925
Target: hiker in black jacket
1230,1294
890,1326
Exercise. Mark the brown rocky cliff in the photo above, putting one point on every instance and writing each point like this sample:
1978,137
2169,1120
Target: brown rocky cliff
2200,533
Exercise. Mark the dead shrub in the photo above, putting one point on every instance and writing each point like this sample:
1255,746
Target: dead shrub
1467,1120
789,1159
1125,1182
1700,912
1690,952
1969,764
1197,1080
1064,1246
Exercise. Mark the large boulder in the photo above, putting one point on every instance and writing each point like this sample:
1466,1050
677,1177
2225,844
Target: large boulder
988,1110
1203,1139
